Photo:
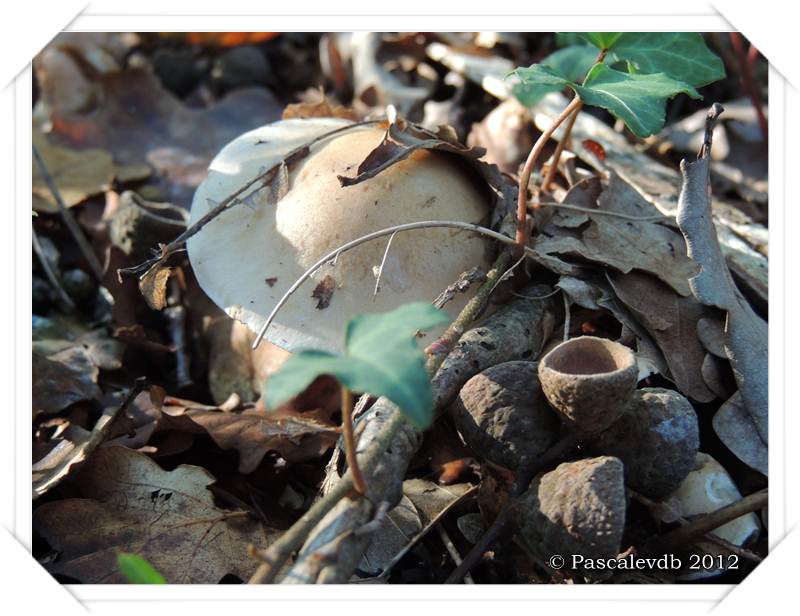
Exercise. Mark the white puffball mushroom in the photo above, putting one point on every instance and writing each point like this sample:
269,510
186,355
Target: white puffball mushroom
246,258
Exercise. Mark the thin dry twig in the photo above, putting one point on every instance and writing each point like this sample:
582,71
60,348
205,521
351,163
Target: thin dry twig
69,219
451,549
698,527
380,267
709,536
425,224
464,282
592,211
440,347
551,172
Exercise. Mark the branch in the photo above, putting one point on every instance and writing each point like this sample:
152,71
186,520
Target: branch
527,170
698,527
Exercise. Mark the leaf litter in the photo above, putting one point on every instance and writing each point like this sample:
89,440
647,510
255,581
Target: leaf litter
620,260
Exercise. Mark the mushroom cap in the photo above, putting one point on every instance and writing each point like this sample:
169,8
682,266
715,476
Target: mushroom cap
246,258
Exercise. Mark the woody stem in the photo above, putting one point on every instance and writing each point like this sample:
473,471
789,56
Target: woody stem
350,441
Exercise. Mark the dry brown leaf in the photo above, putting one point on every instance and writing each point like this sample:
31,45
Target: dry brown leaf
323,292
254,432
77,174
62,378
130,504
318,105
73,448
735,428
400,142
742,240
153,286
395,532
624,245
139,119
672,322
430,498
296,439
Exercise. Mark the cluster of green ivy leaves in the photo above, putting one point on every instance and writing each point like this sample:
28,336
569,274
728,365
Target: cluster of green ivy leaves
640,72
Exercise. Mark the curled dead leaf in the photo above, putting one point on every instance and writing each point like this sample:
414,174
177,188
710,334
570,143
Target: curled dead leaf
153,286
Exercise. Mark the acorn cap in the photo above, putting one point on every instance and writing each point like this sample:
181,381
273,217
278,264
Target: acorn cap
247,257
590,381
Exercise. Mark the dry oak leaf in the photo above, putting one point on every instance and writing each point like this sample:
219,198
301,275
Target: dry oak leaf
131,504
254,433
78,174
622,244
62,378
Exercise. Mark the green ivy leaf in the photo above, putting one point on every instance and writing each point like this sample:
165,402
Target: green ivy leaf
638,100
137,570
381,358
565,39
570,63
681,55
602,40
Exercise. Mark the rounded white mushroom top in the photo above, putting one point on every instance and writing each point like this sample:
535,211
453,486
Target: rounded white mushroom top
246,258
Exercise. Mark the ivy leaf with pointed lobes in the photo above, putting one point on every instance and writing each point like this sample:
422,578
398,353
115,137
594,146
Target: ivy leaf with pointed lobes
381,358
638,100
683,56
570,63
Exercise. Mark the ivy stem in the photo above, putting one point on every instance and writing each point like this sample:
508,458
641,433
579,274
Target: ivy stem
551,172
527,170
530,164
350,441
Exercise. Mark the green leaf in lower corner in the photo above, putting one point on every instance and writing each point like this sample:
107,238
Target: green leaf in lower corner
638,100
570,63
683,56
382,358
137,570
